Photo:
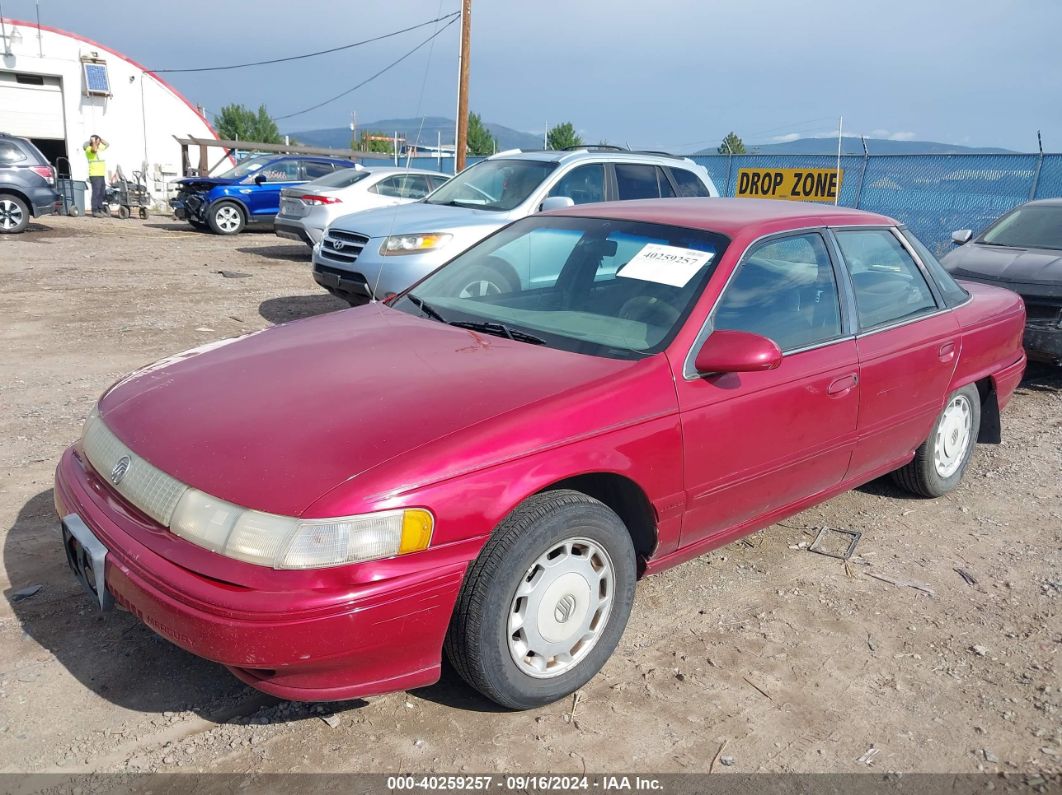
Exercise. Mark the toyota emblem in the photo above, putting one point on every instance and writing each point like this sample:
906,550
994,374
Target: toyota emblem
120,468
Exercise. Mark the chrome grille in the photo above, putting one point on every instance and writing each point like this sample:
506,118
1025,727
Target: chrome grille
148,488
342,247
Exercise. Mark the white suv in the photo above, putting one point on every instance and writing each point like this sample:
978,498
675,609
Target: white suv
377,253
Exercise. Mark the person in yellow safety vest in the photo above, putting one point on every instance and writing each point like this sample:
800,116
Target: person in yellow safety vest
97,174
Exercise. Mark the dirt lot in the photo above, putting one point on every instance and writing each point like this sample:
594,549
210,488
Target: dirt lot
790,659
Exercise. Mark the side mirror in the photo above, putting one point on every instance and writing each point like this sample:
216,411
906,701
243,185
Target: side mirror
737,352
961,236
259,179
556,203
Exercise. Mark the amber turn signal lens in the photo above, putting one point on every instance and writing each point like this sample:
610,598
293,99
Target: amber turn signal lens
416,530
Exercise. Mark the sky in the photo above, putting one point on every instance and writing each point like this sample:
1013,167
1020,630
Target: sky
674,74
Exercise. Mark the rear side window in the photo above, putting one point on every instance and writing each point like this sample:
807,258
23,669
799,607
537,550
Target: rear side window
689,184
9,153
636,181
888,285
314,169
785,289
952,292
402,186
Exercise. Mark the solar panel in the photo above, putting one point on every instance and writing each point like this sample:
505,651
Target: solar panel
96,81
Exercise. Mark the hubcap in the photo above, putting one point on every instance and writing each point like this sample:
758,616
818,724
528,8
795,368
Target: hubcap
560,608
478,289
10,214
954,434
228,218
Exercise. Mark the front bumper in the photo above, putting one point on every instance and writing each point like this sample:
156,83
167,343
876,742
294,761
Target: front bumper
1043,342
296,638
371,274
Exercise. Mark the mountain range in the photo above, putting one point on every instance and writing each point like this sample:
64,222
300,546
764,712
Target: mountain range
432,128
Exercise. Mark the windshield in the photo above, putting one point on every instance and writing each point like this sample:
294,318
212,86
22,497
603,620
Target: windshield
248,166
1035,226
343,178
494,184
620,289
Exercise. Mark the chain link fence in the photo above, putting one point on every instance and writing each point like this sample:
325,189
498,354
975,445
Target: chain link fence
932,194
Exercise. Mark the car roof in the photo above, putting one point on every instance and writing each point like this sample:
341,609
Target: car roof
730,217
1045,203
400,170
595,153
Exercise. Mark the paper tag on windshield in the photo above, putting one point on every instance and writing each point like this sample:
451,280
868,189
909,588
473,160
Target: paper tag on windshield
665,264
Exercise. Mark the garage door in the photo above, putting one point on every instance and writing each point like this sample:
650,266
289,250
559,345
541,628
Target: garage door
31,105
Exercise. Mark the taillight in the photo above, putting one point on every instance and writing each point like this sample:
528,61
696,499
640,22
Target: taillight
311,198
45,171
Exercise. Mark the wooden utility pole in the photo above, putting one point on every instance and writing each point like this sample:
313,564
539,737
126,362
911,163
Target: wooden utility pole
461,144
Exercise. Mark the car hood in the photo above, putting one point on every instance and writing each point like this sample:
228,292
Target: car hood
1004,264
420,217
277,418
204,183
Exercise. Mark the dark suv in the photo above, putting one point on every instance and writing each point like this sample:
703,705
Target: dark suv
27,184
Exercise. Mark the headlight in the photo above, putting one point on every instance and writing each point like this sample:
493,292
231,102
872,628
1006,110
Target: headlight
413,244
288,543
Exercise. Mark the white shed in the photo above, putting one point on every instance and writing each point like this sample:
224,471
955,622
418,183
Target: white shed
58,88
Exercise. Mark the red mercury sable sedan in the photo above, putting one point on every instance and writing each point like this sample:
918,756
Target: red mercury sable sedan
325,506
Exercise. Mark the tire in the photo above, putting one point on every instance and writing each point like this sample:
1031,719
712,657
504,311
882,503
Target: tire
941,460
143,213
226,218
123,212
14,214
73,212
546,548
483,280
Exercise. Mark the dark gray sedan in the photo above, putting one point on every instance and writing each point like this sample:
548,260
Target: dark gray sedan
1021,251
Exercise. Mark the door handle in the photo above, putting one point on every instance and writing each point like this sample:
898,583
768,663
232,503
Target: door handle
946,352
843,384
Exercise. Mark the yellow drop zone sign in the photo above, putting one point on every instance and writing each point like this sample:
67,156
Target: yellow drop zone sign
795,184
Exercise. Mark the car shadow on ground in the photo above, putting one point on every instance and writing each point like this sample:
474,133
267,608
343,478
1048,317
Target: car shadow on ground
113,654
288,252
296,307
452,691
1041,377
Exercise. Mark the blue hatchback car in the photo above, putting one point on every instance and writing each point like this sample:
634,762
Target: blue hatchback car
248,193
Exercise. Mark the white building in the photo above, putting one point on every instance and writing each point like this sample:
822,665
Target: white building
58,88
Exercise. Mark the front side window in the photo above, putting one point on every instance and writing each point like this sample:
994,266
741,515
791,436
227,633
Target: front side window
246,167
280,171
582,185
888,285
620,289
784,289
498,185
1032,226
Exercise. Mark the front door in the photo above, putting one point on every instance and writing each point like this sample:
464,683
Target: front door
756,442
264,198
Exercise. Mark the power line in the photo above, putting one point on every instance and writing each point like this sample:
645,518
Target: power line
453,19
451,16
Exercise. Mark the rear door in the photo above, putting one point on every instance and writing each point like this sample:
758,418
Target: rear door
907,342
756,442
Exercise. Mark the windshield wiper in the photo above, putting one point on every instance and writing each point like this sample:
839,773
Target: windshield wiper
498,330
426,308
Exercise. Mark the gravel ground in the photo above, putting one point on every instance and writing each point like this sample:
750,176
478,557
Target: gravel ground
935,649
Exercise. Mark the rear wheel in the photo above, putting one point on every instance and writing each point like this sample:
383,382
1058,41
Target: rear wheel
226,218
143,213
545,603
941,461
14,214
123,212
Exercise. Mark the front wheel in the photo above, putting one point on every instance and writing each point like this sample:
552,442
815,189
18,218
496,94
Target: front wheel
941,460
545,603
14,214
226,218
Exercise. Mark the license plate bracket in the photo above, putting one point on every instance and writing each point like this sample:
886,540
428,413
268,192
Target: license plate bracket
87,557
